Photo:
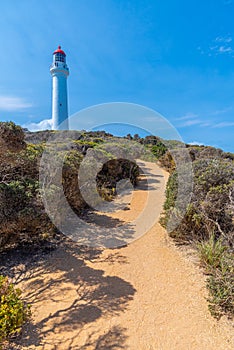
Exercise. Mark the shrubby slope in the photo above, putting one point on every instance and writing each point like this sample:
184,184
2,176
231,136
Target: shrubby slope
208,223
20,196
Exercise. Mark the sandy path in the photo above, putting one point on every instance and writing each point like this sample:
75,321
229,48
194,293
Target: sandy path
146,295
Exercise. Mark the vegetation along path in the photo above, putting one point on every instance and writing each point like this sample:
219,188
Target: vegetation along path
145,295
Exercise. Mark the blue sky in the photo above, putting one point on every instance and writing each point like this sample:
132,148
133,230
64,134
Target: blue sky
176,57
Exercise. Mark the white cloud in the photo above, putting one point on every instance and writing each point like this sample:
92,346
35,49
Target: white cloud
223,125
223,49
45,124
195,143
13,103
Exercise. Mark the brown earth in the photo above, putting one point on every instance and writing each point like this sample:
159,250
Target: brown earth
147,295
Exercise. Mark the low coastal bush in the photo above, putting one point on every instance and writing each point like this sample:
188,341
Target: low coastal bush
212,253
208,222
20,164
13,311
221,286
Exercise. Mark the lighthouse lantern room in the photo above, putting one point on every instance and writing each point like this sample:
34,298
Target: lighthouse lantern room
59,71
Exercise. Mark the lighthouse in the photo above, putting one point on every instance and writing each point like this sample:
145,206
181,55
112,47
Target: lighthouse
59,72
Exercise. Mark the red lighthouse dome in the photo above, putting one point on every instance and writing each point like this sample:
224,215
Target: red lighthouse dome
59,51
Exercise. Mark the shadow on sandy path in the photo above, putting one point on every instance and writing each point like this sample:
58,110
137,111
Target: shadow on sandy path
74,294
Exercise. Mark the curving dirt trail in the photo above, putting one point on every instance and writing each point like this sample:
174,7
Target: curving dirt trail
145,296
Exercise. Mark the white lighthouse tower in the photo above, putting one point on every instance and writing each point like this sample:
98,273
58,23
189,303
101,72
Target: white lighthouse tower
59,71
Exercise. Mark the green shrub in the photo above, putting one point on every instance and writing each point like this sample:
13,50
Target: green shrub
159,150
218,262
209,219
13,311
167,162
113,171
210,210
221,286
11,137
33,152
211,253
171,191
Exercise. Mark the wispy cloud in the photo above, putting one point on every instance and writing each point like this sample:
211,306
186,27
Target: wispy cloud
45,124
221,111
13,103
188,116
223,125
221,45
223,39
223,49
192,119
204,124
191,122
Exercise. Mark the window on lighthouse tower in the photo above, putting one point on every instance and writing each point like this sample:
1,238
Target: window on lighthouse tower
59,57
